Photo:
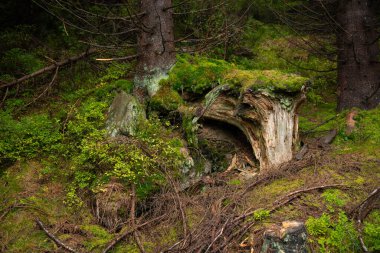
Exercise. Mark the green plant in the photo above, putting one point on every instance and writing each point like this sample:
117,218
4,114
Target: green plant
333,234
334,198
28,137
372,231
261,214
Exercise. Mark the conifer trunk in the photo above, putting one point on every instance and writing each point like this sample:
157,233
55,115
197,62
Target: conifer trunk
358,56
155,44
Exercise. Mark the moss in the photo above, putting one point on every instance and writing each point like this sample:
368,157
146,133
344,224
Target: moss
272,80
197,74
125,85
166,99
97,238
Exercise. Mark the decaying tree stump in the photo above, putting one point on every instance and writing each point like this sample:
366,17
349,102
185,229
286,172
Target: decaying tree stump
265,113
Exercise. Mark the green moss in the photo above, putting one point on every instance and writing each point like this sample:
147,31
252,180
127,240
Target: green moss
197,74
272,80
166,99
97,238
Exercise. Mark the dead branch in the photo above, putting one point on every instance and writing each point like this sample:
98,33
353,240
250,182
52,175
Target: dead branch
126,58
128,232
55,239
51,67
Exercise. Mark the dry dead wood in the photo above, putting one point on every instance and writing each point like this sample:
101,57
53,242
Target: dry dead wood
53,238
51,67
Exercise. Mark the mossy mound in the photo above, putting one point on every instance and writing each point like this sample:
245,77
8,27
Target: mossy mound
166,99
197,74
272,80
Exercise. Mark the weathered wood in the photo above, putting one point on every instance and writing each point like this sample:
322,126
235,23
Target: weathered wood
270,127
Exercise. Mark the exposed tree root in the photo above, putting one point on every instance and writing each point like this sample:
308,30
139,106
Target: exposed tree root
361,211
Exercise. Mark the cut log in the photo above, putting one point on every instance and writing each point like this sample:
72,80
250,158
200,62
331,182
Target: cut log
266,114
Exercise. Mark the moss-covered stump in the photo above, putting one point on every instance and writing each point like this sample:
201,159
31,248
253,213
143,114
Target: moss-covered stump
263,104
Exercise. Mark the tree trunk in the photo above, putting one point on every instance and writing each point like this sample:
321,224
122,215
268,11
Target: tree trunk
156,45
358,56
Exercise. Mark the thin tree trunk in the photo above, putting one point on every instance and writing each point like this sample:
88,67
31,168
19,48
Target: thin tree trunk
156,45
358,56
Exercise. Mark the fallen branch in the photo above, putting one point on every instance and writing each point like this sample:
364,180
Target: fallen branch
126,58
51,67
55,239
128,232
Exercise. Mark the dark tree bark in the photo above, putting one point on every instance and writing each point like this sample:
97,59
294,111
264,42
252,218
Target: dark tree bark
156,45
358,55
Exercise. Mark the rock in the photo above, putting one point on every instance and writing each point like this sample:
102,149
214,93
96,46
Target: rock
329,138
124,115
290,237
302,152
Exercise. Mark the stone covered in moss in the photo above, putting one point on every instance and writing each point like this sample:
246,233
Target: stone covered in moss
197,74
272,80
124,115
165,99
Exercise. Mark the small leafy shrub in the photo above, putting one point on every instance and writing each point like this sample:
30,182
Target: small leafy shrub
334,198
142,160
333,234
261,215
28,137
372,231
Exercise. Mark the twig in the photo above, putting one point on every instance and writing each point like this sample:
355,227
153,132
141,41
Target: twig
55,239
217,237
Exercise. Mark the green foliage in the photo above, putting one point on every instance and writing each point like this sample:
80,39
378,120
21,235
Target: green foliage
371,231
18,61
334,198
197,74
333,234
261,214
28,137
142,160
190,129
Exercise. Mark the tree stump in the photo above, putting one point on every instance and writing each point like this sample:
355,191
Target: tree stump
265,112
